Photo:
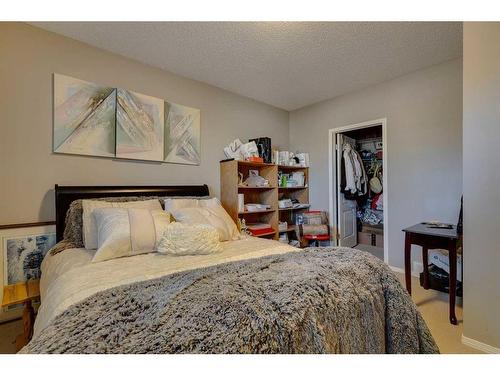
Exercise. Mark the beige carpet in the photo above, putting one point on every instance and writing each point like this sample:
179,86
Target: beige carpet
432,304
373,250
8,333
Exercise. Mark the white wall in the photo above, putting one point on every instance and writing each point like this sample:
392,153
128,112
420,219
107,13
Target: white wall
424,145
481,181
29,169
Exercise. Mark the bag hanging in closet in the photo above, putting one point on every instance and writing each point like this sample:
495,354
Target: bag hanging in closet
375,184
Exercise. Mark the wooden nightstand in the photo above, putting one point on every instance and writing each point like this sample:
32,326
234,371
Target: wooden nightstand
23,293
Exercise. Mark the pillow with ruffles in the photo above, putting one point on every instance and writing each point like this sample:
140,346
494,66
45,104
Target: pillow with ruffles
188,239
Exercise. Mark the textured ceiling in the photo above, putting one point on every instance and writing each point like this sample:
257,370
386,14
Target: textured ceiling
288,65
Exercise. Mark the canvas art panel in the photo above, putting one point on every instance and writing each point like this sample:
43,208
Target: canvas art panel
21,253
84,117
182,134
139,126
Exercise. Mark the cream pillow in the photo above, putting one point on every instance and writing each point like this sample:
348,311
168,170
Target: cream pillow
128,231
184,239
216,207
89,230
205,216
172,204
230,231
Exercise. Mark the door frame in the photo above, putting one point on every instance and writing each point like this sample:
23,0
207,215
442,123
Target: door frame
332,163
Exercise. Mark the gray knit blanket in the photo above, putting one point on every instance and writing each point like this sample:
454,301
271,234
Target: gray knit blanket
326,300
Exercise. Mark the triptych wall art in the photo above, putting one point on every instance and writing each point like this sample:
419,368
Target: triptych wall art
91,119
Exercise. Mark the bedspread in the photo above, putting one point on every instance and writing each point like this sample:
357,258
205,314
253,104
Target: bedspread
320,300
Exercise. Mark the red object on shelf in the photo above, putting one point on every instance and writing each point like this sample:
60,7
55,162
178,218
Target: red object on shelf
255,159
258,229
259,232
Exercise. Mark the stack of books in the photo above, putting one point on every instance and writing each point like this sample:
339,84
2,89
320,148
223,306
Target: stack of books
259,229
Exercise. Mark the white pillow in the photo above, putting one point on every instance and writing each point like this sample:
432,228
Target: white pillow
172,204
216,207
205,216
230,231
125,232
89,230
184,239
197,215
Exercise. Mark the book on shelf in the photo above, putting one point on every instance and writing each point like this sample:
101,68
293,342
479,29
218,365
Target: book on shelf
257,229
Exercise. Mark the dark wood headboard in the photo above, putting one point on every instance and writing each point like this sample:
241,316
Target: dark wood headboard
67,194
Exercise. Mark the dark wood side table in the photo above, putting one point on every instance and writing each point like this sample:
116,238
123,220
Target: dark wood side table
433,238
23,293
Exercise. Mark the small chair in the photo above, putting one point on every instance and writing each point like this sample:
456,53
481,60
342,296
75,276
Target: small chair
315,228
316,238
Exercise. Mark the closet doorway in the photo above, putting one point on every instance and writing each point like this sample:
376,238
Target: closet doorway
358,187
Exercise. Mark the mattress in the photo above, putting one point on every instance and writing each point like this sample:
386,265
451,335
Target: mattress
70,276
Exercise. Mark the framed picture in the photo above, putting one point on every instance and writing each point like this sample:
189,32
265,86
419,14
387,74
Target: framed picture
22,250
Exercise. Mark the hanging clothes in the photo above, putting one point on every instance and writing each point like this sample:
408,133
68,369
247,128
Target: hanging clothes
378,202
350,173
354,181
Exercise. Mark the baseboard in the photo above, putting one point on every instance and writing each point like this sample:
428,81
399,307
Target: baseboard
401,270
480,345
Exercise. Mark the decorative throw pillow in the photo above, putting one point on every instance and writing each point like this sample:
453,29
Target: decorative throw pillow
89,223
205,216
174,203
216,207
184,239
228,229
128,231
73,227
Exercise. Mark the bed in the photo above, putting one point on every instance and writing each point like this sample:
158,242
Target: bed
254,296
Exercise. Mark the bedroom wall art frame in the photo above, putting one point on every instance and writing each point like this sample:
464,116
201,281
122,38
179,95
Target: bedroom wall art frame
22,249
97,120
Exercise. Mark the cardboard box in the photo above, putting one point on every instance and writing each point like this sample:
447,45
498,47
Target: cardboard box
364,238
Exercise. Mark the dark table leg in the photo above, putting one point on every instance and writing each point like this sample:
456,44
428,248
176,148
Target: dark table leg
408,261
452,253
425,260
28,320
